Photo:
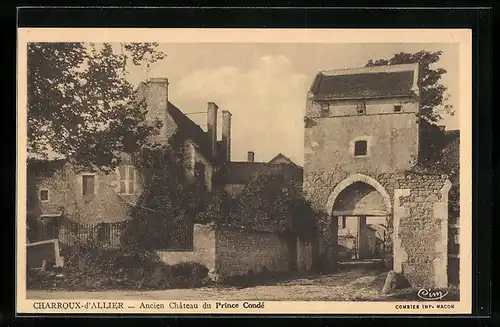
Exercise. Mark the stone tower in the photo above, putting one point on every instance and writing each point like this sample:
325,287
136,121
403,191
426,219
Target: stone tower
361,144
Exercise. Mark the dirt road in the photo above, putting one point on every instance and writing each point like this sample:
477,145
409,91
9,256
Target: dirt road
346,285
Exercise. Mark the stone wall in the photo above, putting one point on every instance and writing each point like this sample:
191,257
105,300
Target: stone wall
65,194
231,251
240,250
203,249
421,229
392,143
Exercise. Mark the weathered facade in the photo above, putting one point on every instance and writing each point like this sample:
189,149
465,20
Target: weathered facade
362,136
58,190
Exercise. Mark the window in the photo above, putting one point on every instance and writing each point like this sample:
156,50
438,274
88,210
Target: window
456,238
127,180
44,195
397,108
360,148
325,106
361,107
88,188
344,218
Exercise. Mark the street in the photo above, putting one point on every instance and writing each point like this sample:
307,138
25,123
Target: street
346,285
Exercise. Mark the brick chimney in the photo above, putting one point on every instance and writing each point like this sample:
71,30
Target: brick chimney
226,134
155,93
251,156
212,127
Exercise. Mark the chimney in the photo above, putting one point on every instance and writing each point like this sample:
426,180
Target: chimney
251,156
442,128
212,127
155,94
226,134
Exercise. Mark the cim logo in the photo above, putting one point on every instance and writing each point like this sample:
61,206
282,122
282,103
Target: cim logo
428,294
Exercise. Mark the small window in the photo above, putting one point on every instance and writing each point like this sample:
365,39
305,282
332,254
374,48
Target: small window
456,238
44,195
88,185
361,107
344,222
397,108
127,180
360,148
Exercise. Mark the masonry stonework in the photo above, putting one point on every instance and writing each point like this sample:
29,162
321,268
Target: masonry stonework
240,250
377,107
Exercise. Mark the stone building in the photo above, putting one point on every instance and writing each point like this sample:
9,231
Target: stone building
59,191
362,145
61,194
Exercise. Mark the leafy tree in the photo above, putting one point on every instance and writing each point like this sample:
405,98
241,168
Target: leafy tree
433,97
80,103
169,199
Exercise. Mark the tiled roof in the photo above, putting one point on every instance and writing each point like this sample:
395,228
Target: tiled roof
242,172
362,85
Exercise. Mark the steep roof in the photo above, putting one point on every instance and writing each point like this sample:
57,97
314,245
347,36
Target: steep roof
190,128
281,158
366,82
242,172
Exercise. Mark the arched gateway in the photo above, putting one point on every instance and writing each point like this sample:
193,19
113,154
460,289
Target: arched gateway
359,205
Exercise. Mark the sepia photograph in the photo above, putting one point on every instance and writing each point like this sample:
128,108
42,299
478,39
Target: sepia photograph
229,175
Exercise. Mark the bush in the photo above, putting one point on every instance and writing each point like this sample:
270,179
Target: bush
94,268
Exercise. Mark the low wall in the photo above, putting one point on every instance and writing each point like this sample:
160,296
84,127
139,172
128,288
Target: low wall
203,249
230,251
44,250
240,250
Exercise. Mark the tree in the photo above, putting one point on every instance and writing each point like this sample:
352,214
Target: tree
272,202
433,98
169,199
80,103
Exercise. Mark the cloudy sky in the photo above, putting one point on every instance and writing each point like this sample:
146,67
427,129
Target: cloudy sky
264,85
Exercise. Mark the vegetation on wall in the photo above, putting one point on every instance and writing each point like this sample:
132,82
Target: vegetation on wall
80,103
169,197
271,202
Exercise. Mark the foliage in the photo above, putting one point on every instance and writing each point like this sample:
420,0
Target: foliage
433,96
80,103
169,196
272,202
93,267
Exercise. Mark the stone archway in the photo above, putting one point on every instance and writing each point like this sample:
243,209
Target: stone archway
353,179
359,208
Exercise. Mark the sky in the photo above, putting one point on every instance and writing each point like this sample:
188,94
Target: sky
264,85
